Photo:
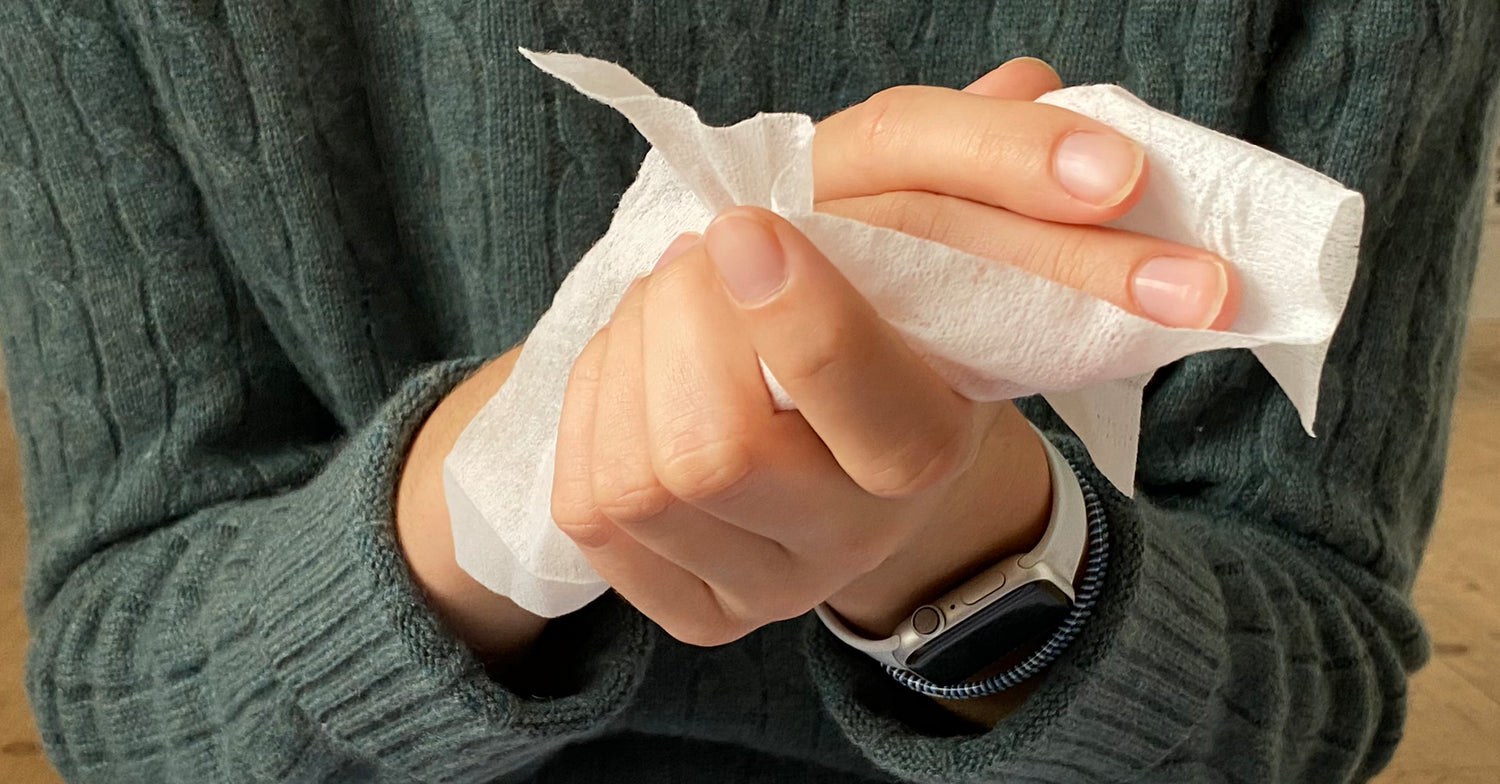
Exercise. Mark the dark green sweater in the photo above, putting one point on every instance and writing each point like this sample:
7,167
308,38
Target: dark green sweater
246,245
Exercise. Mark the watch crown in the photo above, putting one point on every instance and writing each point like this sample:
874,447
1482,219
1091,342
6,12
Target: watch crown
926,620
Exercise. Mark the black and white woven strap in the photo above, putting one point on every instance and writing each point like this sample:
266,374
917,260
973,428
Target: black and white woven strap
1087,595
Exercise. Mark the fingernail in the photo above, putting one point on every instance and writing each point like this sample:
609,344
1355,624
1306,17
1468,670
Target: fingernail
1180,292
1099,168
1037,60
683,241
747,255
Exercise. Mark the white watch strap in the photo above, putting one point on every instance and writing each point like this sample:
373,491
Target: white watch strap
1067,535
1061,549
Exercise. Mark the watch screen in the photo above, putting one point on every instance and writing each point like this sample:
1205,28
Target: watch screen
976,642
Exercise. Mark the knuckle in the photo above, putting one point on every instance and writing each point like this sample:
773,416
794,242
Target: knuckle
860,552
911,212
708,633
771,602
703,638
988,146
628,500
788,604
1074,257
588,368
589,530
880,125
702,463
1060,255
571,511
924,215
768,610
919,463
821,345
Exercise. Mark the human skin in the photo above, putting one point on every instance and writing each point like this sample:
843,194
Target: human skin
714,514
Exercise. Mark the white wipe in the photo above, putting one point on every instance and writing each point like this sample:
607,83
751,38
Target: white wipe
993,331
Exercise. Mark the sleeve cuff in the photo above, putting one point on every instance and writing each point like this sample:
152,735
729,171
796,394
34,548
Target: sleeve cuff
351,636
1123,695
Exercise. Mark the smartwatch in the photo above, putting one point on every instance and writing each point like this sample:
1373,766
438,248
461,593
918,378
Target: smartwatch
1008,605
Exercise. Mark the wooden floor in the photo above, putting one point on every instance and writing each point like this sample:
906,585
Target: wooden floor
1453,733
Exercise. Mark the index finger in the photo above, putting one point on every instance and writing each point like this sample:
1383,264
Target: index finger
1038,160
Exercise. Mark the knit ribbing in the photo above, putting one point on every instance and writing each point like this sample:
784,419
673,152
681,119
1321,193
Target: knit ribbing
1121,698
410,677
246,245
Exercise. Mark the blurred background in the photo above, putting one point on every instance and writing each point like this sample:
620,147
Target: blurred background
1454,719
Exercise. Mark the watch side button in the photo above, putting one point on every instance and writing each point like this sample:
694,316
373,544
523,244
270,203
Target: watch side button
975,593
926,620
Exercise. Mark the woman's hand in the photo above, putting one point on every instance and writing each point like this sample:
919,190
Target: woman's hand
713,513
988,171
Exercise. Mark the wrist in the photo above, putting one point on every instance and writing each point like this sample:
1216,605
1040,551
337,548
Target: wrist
999,507
491,625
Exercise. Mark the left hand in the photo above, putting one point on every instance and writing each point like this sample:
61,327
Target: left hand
715,514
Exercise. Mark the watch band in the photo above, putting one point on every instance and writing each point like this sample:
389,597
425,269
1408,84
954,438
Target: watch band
1089,589
1054,561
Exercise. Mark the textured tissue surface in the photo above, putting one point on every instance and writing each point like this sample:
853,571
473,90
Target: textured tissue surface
993,331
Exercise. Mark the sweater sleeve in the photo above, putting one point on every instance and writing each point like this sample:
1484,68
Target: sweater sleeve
1256,623
214,588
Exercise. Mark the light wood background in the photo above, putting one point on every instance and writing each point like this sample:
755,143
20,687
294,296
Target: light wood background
1453,733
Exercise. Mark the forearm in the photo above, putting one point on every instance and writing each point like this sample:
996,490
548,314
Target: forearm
494,627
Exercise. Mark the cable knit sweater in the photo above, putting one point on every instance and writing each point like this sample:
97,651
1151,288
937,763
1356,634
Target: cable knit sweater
245,246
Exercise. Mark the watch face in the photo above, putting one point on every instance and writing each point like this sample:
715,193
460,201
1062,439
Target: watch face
1012,621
